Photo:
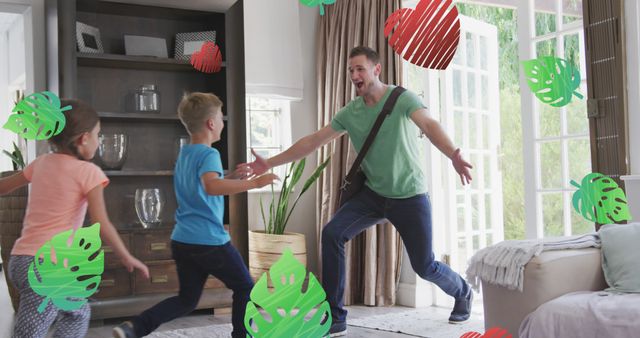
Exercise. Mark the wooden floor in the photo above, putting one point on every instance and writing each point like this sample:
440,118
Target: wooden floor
202,318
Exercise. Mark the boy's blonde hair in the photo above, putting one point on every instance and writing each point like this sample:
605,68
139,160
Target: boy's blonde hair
196,108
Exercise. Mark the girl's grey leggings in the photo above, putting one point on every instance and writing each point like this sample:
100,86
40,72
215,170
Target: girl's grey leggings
29,323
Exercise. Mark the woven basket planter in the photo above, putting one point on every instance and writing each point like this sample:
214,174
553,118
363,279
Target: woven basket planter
266,249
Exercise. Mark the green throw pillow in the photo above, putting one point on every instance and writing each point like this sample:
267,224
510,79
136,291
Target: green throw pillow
621,256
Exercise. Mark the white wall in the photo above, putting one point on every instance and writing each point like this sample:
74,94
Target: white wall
632,30
12,72
304,118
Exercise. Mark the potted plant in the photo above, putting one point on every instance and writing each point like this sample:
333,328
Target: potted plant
12,209
266,246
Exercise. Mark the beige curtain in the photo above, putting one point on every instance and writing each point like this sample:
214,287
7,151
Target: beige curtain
373,257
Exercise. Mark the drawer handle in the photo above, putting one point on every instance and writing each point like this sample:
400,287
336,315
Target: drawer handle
107,249
159,279
108,282
158,246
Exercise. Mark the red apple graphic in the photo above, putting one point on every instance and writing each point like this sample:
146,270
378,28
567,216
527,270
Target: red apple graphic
208,59
427,36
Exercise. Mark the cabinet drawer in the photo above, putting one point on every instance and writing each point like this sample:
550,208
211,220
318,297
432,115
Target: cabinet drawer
162,278
153,246
110,258
213,283
114,283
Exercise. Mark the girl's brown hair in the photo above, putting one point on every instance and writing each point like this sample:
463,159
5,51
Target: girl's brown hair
81,118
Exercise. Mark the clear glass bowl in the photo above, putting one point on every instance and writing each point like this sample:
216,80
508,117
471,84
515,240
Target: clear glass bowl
112,150
149,204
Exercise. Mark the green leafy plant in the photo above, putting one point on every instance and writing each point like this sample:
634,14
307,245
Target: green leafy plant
16,157
599,199
279,211
77,272
292,311
38,116
312,3
553,80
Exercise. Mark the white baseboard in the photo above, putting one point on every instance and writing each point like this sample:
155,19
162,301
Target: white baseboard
406,295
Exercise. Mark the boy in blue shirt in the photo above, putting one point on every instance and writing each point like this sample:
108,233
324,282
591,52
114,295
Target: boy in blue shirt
199,243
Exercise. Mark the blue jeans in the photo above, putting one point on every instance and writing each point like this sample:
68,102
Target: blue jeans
410,216
195,263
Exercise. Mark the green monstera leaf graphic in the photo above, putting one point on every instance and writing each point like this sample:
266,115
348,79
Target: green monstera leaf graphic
75,275
599,199
553,80
312,3
292,311
37,117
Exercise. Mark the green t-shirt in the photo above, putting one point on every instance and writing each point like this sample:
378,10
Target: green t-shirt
392,165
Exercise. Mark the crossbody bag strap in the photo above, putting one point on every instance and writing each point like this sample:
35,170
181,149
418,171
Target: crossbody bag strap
386,110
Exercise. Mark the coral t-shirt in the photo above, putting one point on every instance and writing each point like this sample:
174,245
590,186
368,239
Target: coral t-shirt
57,199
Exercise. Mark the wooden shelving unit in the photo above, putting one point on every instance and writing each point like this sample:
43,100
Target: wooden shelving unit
107,82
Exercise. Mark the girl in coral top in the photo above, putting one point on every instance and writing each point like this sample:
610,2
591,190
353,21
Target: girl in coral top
63,185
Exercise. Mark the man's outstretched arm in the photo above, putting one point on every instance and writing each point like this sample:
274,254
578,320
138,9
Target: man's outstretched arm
439,138
298,150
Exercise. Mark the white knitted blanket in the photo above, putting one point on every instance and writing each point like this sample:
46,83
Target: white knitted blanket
503,263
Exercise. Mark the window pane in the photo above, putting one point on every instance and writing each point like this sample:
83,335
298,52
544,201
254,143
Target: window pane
487,171
484,91
489,239
549,120
487,212
474,158
457,88
473,131
471,51
579,160
580,225
476,243
576,110
475,212
546,48
471,90
485,131
263,127
545,23
572,51
460,219
550,165
552,214
572,10
458,120
484,51
462,252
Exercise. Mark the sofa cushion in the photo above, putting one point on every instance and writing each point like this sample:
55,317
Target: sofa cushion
621,256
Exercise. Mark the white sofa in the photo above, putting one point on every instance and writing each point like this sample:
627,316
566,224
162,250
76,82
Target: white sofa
547,276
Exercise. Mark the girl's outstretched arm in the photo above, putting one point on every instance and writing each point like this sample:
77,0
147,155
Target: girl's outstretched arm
13,182
108,232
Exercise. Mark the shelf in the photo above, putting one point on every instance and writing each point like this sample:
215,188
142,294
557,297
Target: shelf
138,116
115,173
134,62
158,117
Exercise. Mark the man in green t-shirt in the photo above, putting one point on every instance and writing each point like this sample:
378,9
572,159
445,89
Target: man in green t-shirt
395,188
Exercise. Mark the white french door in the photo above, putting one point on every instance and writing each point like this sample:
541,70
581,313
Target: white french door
465,99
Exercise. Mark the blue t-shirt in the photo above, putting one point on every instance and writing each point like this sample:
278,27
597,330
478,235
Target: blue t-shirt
199,215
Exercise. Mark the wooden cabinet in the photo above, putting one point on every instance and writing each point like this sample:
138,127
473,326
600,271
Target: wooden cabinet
108,82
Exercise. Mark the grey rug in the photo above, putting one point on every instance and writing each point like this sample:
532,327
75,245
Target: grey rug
422,322
211,331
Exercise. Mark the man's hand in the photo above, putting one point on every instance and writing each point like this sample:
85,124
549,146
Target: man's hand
258,167
462,167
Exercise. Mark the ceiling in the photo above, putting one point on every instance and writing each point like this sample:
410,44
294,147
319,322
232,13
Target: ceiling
6,20
202,5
